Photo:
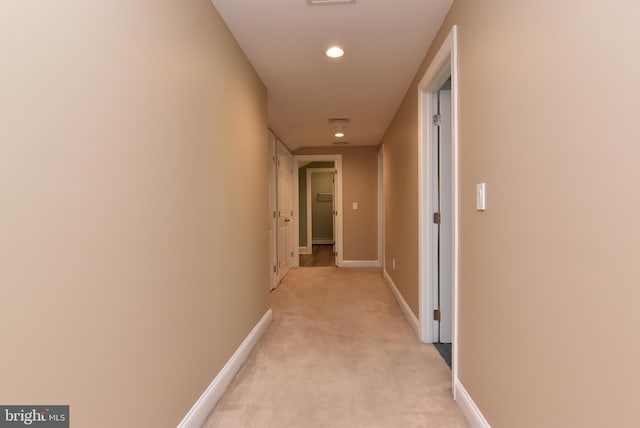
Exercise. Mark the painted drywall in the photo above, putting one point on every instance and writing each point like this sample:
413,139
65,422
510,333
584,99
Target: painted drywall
359,184
302,198
549,96
133,163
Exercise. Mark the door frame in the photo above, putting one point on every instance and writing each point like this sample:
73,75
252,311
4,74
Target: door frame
311,171
381,229
443,66
337,161
273,208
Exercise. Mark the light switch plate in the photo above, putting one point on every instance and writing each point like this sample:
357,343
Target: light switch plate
481,196
355,205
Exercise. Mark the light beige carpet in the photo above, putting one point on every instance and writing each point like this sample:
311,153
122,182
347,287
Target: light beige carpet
338,354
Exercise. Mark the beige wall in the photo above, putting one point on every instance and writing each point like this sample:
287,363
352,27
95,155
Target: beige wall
549,99
133,157
359,184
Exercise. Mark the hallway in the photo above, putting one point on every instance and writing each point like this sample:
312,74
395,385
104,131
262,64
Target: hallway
339,353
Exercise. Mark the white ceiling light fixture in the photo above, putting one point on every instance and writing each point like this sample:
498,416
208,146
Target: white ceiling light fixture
339,134
334,52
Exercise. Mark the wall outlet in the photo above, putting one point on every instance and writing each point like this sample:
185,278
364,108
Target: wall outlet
355,205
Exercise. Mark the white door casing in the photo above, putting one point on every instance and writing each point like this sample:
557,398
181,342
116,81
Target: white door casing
334,216
443,66
381,229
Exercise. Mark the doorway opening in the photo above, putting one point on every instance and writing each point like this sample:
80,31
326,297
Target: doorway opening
438,182
442,204
318,210
317,182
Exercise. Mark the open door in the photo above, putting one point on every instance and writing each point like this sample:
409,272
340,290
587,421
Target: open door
445,208
273,220
285,211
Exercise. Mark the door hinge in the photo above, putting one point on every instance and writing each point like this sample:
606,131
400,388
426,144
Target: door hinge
436,218
436,314
437,119
274,214
292,254
274,269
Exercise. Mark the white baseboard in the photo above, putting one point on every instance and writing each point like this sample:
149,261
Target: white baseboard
207,401
303,250
468,408
360,263
408,313
328,241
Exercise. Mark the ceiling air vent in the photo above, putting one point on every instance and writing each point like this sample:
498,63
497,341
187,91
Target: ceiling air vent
339,121
340,143
328,2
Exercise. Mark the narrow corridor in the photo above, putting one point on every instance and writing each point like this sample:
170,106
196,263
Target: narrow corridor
338,354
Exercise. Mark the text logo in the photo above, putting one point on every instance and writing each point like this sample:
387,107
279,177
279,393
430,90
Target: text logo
34,416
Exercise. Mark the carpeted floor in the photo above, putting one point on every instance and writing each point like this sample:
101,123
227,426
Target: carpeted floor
338,354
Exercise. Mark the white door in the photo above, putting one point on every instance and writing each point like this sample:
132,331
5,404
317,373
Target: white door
285,211
273,221
445,235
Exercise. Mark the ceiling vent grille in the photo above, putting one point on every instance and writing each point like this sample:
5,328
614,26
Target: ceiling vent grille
328,2
339,121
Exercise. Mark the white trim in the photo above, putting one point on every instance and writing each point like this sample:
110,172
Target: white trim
207,401
443,66
303,250
406,310
338,201
381,206
361,263
468,408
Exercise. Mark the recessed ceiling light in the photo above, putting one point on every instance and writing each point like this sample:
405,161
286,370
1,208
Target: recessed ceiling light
335,52
339,134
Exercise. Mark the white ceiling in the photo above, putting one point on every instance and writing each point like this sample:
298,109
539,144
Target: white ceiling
384,41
